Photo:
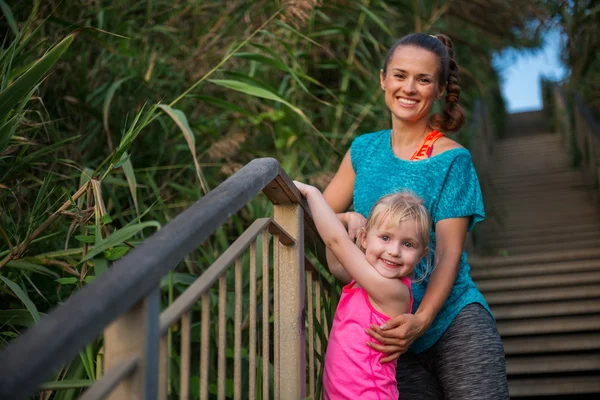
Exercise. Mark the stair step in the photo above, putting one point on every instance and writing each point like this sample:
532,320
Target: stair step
552,364
554,386
549,325
541,295
549,309
549,238
545,247
552,343
541,233
539,281
547,257
480,273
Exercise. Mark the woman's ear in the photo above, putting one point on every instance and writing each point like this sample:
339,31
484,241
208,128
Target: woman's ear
382,79
441,91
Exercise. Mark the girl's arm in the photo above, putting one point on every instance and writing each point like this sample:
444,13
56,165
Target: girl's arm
400,332
384,291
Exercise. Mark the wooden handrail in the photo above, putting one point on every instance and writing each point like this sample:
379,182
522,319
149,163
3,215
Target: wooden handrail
35,356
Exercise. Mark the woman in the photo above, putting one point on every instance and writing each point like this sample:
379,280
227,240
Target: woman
455,349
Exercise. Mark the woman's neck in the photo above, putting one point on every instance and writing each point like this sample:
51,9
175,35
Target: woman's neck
408,135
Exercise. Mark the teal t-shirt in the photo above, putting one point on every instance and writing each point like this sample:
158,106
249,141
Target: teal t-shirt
449,187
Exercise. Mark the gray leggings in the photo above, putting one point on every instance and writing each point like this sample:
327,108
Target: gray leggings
467,363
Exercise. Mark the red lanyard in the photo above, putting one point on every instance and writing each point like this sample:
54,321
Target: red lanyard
425,150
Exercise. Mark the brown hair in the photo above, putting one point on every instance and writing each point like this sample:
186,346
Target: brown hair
452,116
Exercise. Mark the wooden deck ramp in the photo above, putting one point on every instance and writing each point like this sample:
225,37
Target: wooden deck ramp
542,275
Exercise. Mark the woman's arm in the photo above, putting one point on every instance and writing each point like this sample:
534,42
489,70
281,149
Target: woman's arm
338,193
400,332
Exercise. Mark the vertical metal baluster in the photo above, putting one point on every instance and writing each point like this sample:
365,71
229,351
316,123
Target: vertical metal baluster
204,346
265,314
311,335
163,376
222,338
319,319
252,339
184,391
237,333
276,375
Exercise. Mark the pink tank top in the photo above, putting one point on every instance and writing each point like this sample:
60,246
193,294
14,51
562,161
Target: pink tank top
352,369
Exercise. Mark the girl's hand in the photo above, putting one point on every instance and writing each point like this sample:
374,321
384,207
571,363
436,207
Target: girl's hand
303,188
354,223
396,335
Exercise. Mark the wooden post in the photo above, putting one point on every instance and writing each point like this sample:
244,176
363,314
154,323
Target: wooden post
127,337
292,341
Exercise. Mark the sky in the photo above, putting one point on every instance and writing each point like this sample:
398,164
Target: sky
521,72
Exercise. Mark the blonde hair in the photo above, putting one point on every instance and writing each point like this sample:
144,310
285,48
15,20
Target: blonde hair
403,206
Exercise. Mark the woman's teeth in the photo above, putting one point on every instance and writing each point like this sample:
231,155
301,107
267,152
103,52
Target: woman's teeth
407,101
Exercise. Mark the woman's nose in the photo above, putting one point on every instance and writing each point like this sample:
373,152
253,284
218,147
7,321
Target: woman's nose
409,86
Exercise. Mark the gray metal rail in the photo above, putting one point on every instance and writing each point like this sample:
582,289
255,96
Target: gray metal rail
38,354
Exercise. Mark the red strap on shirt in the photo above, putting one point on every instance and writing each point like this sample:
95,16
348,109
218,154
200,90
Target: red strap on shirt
427,147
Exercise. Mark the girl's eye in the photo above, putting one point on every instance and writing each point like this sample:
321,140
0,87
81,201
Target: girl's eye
408,244
385,238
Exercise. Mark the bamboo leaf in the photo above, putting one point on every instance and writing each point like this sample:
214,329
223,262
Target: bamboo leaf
256,91
181,120
374,18
19,317
23,297
10,18
131,182
118,237
66,384
28,266
108,99
68,281
23,86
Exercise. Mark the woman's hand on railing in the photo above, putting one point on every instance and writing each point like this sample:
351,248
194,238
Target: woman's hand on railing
396,335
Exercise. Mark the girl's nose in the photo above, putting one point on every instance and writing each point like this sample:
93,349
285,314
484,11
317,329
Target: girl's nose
393,250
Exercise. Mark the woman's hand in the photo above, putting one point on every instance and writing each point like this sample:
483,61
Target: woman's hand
396,335
354,223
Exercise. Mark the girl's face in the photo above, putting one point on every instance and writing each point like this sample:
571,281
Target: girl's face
411,83
393,251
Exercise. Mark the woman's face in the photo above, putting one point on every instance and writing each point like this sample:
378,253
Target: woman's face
411,83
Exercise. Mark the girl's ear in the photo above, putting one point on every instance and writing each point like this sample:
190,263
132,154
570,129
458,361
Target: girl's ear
425,251
362,238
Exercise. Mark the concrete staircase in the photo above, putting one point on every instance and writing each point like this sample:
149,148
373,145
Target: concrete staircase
542,275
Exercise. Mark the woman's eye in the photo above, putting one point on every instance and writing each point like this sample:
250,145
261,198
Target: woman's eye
399,76
425,81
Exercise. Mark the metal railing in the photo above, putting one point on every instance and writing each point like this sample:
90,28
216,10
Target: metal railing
124,304
581,136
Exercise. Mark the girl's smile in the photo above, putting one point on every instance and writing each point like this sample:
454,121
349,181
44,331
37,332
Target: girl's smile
393,251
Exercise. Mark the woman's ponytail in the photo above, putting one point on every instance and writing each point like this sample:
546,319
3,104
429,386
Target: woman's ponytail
452,116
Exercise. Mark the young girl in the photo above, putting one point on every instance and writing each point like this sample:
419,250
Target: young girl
393,242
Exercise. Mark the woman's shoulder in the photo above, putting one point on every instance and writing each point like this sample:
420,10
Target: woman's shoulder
366,143
444,144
